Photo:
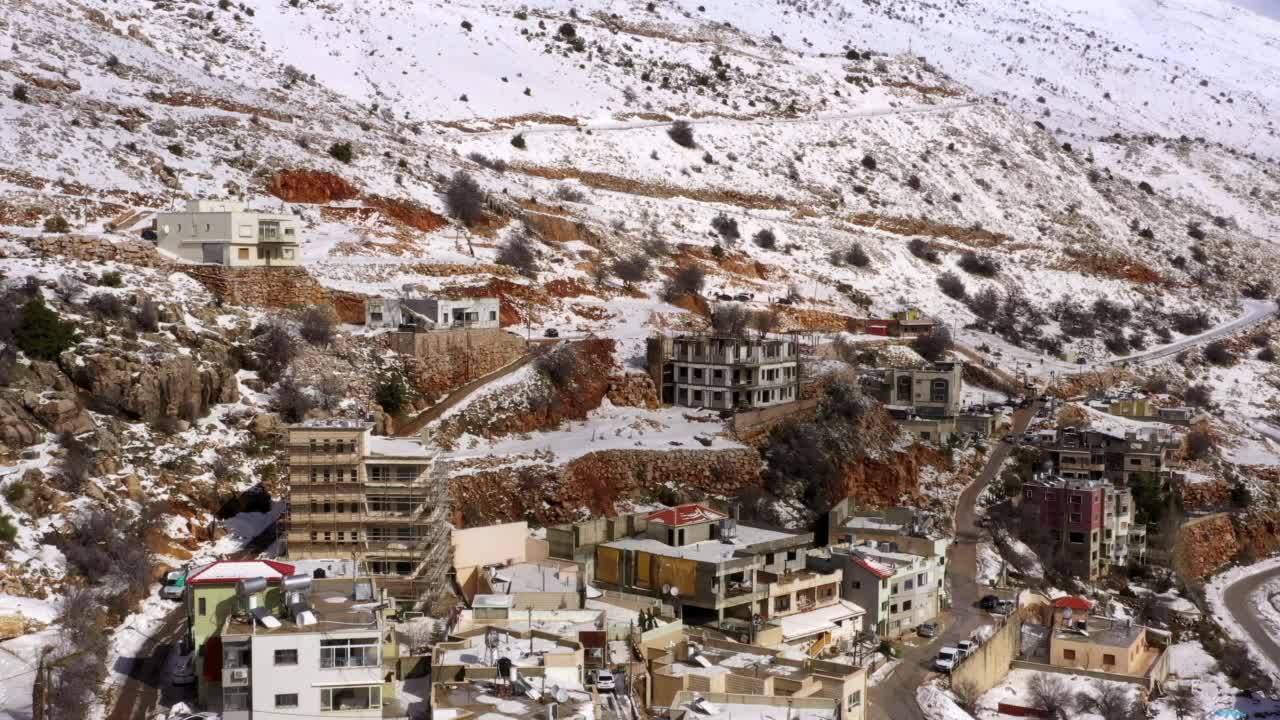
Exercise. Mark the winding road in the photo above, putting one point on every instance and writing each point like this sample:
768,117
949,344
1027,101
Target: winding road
1255,311
1238,598
894,698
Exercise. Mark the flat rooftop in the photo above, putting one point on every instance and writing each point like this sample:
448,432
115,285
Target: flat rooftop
738,663
1103,631
332,605
710,710
398,447
520,651
532,578
481,698
711,551
332,424
823,619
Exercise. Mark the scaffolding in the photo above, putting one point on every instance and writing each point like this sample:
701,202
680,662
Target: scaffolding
387,509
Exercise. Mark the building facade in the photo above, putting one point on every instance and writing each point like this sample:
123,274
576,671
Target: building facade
220,232
1121,457
433,313
899,590
725,372
1063,520
355,494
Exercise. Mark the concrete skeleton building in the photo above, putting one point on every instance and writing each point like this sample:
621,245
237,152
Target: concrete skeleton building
1119,455
725,372
427,314
381,500
223,232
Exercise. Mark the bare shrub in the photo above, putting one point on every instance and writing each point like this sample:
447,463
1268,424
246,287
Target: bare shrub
726,226
106,306
1111,701
560,366
985,303
331,390
631,269
1050,694
68,287
518,253
966,693
291,401
1220,353
1259,289
1183,701
275,347
857,257
765,239
765,321
319,325
1199,443
935,345
688,280
464,198
983,265
921,249
1198,395
952,286
1190,323
681,133
149,316
569,193
495,164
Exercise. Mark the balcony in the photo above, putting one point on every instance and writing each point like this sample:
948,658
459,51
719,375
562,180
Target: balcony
236,677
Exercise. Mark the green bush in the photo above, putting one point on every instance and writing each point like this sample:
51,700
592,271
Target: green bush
111,279
177,149
41,334
8,531
57,224
341,152
15,492
391,394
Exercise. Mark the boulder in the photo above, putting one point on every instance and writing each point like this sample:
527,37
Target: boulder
179,385
264,425
18,427
61,413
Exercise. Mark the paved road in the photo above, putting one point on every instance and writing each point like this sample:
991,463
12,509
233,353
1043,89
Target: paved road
1238,598
1255,311
894,698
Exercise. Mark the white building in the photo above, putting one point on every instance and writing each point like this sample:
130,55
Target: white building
433,313
221,232
317,650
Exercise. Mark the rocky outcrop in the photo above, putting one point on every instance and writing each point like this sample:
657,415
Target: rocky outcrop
18,427
310,186
633,390
1206,545
883,481
408,213
180,386
600,482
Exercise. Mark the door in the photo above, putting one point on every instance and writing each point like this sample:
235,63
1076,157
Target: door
213,253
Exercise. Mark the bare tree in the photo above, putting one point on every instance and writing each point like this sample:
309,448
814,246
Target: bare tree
276,349
934,345
1110,700
518,253
1185,704
1050,694
319,323
765,321
967,696
688,280
730,319
291,401
631,269
330,388
68,287
464,198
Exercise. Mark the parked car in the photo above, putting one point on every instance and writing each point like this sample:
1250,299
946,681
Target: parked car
551,333
929,629
724,297
967,647
946,659
988,602
172,591
604,680
1011,439
743,297
1004,607
184,673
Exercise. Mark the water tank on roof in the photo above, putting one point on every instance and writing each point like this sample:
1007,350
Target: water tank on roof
296,583
250,586
318,573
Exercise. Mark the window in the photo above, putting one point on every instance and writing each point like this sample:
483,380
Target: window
1068,654
493,315
855,699
697,396
1108,659
351,698
349,652
894,590
938,391
906,605
908,585
286,657
904,389
243,253
235,698
1077,538
884,606
200,606
792,555
856,585
782,603
920,580
1028,493
893,608
287,700
1076,499
1075,517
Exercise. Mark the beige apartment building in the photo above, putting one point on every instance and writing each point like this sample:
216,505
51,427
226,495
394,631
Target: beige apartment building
376,499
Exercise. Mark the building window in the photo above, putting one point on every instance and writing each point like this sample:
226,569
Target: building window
894,590
200,607
243,253
908,585
1108,659
1077,538
1075,517
904,389
235,698
782,603
697,396
855,699
920,580
1028,493
286,657
938,391
349,652
906,605
351,698
1068,654
287,700
893,608
856,585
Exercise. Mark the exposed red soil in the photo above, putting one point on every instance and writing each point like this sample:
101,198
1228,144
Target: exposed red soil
311,186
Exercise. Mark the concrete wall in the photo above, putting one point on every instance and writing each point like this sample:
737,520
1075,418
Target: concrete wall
477,547
744,421
989,665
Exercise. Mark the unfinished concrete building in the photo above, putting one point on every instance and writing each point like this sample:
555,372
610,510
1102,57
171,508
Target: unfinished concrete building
381,501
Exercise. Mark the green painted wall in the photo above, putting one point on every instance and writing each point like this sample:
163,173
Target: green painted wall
219,602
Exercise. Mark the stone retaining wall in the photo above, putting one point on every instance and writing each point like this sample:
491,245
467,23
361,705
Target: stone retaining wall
276,287
446,359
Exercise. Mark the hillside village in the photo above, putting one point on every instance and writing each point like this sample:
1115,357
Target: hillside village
819,361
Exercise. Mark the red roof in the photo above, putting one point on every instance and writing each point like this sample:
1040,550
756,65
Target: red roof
685,515
230,571
876,570
1072,602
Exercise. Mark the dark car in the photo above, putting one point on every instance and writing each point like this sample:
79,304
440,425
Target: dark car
743,297
551,333
723,297
989,602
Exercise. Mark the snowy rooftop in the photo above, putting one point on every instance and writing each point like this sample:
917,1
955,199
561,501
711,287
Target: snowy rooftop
817,621
533,578
522,652
333,424
711,551
1103,631
332,606
397,447
711,708
227,571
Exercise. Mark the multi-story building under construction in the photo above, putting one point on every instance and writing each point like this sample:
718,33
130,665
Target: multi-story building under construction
378,500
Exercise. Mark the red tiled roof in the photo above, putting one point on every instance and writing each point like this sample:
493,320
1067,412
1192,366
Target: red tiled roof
685,515
1073,602
876,570
229,571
